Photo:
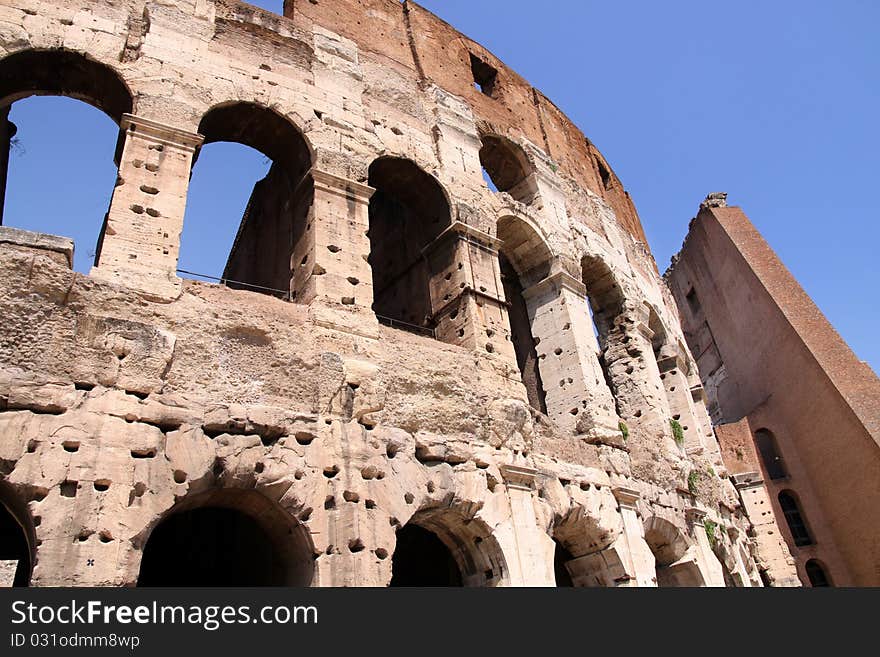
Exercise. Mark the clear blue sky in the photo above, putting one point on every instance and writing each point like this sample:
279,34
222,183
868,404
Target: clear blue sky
776,103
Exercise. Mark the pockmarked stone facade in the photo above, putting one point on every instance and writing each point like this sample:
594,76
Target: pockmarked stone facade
406,377
797,414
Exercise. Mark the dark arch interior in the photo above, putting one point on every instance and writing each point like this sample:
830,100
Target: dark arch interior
770,456
816,574
408,212
795,519
521,335
507,167
272,230
14,546
422,559
221,546
561,556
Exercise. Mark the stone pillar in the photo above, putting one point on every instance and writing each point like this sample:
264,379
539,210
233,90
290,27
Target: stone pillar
532,566
577,396
140,243
710,567
638,558
672,366
7,132
772,554
467,295
338,281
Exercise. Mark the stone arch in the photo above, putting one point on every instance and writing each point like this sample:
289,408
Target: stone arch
508,167
524,259
469,545
674,558
60,72
226,537
274,233
604,293
17,539
408,212
585,555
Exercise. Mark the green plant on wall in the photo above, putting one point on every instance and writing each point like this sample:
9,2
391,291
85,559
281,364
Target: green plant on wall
677,432
710,528
693,478
624,430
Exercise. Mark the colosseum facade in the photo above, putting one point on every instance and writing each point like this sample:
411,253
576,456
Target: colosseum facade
405,377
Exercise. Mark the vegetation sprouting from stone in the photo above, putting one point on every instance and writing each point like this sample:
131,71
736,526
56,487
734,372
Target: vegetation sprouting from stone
677,432
624,430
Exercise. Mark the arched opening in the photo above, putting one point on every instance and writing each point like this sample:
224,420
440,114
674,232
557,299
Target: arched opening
440,547
606,305
583,555
248,212
57,168
16,539
507,169
227,538
674,564
408,211
422,559
800,533
770,456
817,574
524,259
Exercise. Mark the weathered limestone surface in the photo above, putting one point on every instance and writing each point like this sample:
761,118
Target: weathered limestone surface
130,396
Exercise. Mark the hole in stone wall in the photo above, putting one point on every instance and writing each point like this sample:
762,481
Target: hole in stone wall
485,76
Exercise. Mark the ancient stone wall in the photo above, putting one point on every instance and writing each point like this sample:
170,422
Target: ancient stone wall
136,406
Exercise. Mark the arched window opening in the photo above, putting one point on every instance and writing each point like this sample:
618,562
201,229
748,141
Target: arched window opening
507,168
606,304
16,538
800,533
524,259
57,168
227,538
816,574
408,211
674,565
659,342
439,547
248,212
770,456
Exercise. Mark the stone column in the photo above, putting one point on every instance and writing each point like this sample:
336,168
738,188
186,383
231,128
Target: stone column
672,366
772,553
532,567
467,295
338,281
577,396
140,243
7,132
708,563
638,558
